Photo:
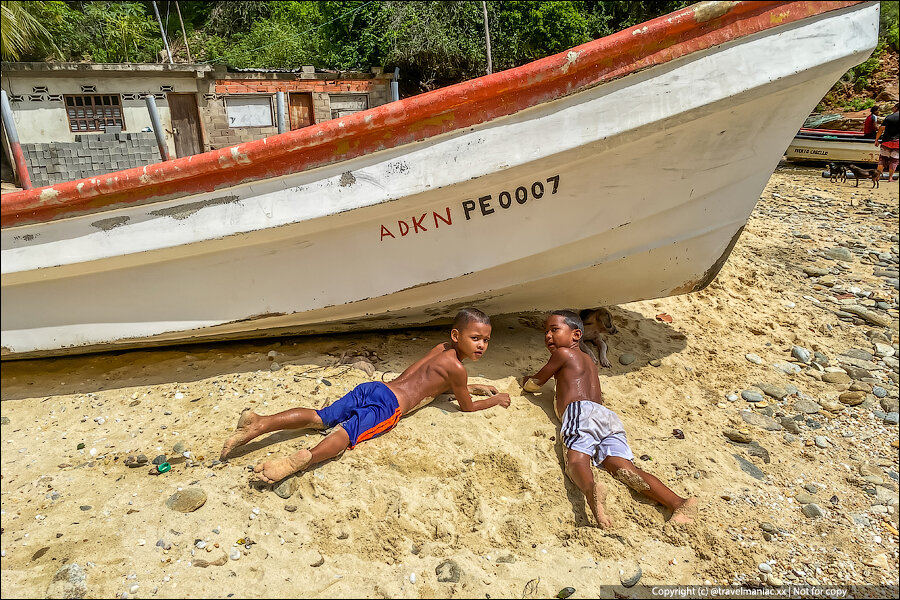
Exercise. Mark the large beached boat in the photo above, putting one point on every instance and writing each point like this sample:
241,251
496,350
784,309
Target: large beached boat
620,170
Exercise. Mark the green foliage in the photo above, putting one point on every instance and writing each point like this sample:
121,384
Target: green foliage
21,31
888,26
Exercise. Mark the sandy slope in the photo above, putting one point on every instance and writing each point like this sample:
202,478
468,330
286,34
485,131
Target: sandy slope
482,490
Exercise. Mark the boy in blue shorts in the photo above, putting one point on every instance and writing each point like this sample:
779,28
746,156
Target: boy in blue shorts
374,408
591,432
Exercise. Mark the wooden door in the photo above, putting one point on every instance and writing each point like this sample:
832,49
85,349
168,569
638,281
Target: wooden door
185,124
301,110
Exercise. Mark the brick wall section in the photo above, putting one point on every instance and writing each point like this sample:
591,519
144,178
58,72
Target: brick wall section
89,156
220,135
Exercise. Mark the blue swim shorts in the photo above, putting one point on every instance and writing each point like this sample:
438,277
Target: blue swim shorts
369,410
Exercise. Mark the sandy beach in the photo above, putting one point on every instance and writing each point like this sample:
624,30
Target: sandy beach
794,464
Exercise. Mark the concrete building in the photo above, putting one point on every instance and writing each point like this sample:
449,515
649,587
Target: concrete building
79,120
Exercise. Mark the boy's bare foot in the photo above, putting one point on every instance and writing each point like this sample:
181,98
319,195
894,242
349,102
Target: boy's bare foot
243,433
686,512
600,491
275,470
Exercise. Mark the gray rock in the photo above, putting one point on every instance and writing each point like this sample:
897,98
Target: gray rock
839,253
807,407
821,441
813,271
187,500
630,576
364,366
448,572
160,459
813,511
754,358
856,372
749,468
627,359
70,581
179,448
754,449
790,438
786,367
286,487
4,420
790,425
869,315
878,391
892,418
655,363
768,527
857,353
751,396
275,366
821,358
762,421
772,390
801,354
804,498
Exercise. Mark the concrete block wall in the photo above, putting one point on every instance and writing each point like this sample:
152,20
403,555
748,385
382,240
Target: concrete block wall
89,156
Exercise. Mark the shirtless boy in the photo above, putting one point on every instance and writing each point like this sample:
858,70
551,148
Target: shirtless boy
373,408
590,431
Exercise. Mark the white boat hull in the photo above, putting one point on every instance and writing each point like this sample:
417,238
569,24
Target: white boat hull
645,184
806,150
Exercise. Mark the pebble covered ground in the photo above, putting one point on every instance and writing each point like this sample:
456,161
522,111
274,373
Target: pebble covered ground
771,396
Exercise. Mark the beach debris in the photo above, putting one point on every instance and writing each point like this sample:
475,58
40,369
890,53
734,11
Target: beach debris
677,433
218,562
132,461
646,457
812,510
740,436
160,468
80,446
565,592
70,581
629,576
187,500
531,588
665,318
449,572
235,554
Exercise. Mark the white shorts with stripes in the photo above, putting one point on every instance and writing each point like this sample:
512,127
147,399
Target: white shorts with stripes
593,429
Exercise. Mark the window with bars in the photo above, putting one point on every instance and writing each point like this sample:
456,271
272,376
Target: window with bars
94,112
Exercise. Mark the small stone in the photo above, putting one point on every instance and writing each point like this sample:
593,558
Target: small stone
879,561
801,354
765,567
879,391
839,253
772,390
760,420
630,575
821,441
275,366
187,500
790,438
160,459
789,368
805,498
316,559
364,366
749,468
838,378
627,359
655,362
774,581
70,581
179,448
286,487
751,396
754,358
831,405
852,398
448,571
892,418
290,508
806,406
235,554
768,527
813,511
741,437
4,420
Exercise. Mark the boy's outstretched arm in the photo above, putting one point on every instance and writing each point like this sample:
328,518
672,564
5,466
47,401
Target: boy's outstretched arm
458,385
557,360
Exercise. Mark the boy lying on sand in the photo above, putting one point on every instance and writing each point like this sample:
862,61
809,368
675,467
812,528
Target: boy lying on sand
590,431
373,408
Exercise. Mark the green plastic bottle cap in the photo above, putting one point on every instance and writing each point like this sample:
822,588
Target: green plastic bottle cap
162,468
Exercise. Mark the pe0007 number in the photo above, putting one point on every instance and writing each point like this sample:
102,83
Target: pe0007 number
505,199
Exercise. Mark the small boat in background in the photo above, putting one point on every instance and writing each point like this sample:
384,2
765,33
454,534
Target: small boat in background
831,145
619,170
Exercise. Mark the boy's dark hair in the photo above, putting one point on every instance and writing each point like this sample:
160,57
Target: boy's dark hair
874,110
570,318
470,315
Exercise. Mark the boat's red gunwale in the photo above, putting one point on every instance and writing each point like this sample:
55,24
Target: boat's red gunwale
420,117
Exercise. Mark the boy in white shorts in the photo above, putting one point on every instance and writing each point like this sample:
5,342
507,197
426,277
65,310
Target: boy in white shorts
590,431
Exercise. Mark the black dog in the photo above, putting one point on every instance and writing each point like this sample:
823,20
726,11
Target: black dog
859,173
837,172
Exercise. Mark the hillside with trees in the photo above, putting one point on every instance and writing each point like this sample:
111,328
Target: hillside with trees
434,43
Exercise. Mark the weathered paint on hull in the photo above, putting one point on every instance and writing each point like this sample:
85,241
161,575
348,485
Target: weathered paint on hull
631,190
